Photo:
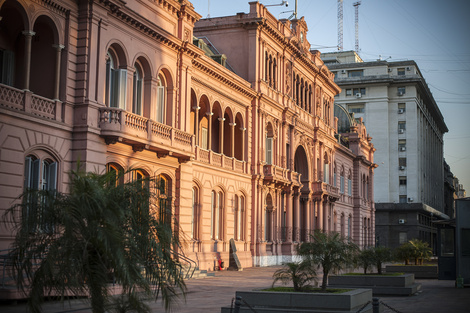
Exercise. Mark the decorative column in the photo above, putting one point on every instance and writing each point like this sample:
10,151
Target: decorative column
196,109
289,228
57,70
243,129
209,130
27,56
232,139
221,134
297,216
320,216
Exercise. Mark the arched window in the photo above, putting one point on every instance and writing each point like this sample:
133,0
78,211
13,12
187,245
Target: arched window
117,171
269,144
116,82
274,73
161,100
335,176
326,169
40,173
138,90
341,181
241,218
163,195
217,215
195,214
349,184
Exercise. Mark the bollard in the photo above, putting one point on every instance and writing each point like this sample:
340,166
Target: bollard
375,305
238,303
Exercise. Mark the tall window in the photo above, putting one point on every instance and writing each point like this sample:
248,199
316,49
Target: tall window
39,174
239,217
341,181
138,88
269,144
195,214
163,195
349,184
326,170
116,83
335,176
216,216
161,100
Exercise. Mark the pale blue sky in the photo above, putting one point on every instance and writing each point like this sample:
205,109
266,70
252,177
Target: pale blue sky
435,34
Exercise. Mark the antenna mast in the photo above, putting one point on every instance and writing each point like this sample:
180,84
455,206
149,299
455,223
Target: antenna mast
208,8
340,25
356,9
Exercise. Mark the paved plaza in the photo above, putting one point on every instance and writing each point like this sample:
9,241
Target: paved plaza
210,294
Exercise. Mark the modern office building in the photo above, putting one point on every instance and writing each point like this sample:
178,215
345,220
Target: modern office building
238,121
399,111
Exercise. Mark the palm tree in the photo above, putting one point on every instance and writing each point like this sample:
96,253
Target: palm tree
328,250
421,251
298,273
100,231
381,255
366,259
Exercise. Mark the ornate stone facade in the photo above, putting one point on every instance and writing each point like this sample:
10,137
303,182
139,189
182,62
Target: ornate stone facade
254,156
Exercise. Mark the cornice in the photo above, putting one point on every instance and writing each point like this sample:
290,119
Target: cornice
53,6
229,79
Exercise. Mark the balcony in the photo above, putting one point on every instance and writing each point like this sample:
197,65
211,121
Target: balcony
278,175
141,133
220,161
322,190
27,102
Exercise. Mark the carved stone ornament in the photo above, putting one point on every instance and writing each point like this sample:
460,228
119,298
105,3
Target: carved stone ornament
288,77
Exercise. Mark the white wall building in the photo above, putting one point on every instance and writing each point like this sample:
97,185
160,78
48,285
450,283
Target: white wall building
404,120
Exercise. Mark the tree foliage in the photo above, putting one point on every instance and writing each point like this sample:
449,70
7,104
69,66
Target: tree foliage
100,231
300,274
329,251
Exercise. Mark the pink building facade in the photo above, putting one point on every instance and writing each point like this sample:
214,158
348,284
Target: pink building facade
147,85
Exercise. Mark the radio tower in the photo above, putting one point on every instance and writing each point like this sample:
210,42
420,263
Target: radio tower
356,9
340,25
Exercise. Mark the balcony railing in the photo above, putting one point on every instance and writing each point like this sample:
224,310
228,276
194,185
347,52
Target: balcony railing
220,160
27,102
137,130
276,174
321,188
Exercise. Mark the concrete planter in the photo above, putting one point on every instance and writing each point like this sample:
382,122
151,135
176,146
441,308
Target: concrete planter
420,271
268,301
402,285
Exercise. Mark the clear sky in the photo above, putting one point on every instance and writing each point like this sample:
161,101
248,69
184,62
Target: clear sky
435,34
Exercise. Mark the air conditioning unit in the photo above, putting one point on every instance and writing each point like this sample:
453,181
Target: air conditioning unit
401,221
401,131
401,111
410,199
390,69
402,168
400,93
402,148
343,71
358,95
408,68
